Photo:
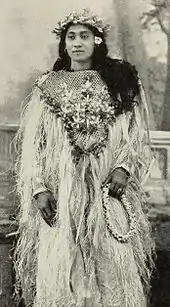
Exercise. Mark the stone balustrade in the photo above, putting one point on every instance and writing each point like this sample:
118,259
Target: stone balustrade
158,184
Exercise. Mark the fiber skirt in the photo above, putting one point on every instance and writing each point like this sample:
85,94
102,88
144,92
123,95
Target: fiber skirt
111,275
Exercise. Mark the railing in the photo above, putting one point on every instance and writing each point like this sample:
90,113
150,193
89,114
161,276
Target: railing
158,185
7,195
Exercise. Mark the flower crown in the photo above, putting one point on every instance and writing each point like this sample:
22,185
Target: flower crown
84,17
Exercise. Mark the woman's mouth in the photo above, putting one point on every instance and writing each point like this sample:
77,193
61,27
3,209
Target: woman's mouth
77,51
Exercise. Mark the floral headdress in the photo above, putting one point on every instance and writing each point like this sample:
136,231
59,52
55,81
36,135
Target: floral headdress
84,17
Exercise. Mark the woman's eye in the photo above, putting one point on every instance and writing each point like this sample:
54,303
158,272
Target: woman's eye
84,36
71,37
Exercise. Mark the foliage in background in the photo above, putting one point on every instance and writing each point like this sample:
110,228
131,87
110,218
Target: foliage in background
157,77
159,14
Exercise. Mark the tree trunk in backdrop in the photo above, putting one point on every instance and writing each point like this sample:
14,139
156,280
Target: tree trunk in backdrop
165,125
131,42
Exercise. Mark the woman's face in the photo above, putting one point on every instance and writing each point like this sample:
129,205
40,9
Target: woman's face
79,43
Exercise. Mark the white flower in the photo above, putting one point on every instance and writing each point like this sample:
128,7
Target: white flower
97,40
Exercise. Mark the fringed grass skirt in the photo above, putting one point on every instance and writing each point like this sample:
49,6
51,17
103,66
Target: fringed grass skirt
112,275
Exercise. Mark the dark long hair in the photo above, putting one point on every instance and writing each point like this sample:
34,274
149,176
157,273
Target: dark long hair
120,76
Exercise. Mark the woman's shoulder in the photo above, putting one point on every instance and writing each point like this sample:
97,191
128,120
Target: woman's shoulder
50,84
48,81
47,76
42,78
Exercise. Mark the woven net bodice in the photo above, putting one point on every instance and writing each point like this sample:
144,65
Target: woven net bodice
73,79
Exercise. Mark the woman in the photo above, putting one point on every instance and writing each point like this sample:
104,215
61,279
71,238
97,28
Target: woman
84,236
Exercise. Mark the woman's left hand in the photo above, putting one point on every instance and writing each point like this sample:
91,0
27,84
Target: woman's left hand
118,182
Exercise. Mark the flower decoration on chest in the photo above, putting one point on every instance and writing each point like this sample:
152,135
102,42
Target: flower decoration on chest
85,109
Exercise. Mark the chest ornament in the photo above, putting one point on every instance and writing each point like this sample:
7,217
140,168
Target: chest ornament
84,109
83,112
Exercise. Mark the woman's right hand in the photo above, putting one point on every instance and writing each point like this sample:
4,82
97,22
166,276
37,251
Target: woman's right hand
47,205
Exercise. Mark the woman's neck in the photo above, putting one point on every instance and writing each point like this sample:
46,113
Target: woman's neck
80,65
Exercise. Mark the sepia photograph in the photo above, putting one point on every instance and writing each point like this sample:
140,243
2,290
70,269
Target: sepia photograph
85,153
